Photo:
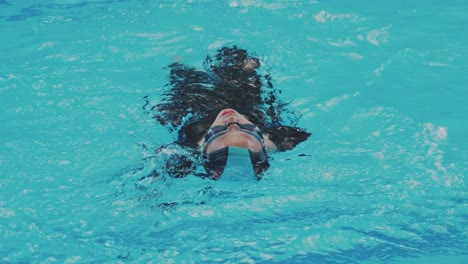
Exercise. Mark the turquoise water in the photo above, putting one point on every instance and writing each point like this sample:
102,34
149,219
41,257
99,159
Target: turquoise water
380,84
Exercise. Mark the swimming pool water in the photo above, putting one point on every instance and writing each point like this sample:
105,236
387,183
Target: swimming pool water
380,84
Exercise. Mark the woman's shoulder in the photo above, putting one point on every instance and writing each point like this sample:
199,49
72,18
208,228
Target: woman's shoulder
179,161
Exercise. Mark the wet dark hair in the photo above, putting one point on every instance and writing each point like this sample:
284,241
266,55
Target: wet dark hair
196,94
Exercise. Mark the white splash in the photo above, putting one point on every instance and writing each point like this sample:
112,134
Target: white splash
45,45
378,36
197,28
255,3
325,16
218,44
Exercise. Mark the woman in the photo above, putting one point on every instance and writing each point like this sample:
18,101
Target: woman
224,115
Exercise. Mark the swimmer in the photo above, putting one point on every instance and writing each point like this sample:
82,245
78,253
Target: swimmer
226,116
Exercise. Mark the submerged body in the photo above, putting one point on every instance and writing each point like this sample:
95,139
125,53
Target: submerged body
224,111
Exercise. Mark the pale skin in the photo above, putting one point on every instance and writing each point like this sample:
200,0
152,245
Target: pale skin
234,137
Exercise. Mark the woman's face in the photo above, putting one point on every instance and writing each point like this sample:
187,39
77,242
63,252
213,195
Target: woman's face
234,136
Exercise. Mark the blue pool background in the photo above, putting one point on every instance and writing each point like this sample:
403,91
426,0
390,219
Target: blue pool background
380,84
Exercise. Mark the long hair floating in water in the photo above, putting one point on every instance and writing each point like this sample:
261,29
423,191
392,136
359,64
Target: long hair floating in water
229,80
